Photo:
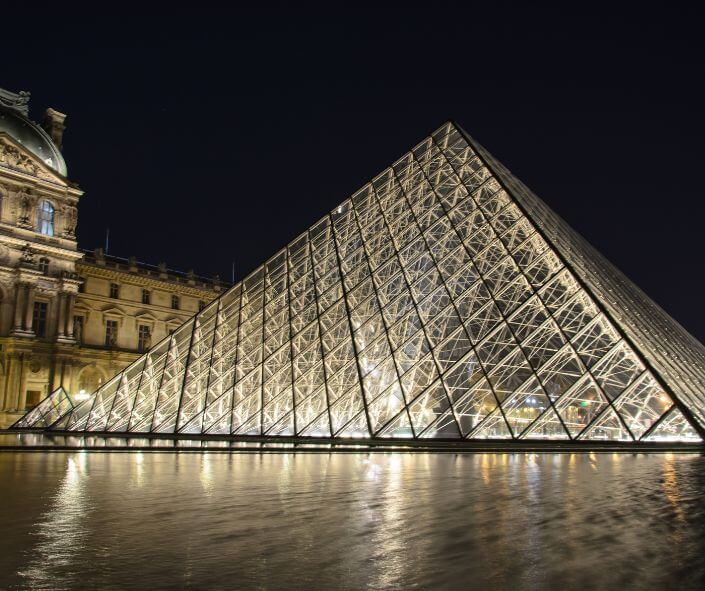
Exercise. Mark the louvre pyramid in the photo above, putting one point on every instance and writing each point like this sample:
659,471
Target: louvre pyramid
443,300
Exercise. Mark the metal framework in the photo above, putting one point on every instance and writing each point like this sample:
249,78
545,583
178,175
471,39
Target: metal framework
442,300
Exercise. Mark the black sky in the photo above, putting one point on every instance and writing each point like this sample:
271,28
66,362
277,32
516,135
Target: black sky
203,138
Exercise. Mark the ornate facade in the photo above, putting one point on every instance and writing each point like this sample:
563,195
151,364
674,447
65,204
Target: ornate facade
68,318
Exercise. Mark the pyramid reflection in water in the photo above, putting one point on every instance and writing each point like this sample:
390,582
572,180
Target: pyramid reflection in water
443,300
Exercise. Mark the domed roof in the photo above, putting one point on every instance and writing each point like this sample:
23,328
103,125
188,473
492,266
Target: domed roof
32,137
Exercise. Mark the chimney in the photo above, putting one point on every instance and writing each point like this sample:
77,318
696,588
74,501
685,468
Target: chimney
99,255
54,125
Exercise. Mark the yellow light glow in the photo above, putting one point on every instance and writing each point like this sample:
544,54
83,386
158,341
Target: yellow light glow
81,396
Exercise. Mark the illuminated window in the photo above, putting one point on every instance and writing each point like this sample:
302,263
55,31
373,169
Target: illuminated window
46,218
174,302
114,290
111,333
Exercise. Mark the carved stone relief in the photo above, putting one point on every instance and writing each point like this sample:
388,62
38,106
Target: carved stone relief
70,221
11,157
27,254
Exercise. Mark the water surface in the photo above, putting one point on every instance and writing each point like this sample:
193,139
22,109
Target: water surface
132,520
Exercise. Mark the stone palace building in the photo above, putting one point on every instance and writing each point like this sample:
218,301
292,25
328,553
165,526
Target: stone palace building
68,317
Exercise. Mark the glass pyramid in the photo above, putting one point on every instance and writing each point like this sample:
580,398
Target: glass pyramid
47,412
442,300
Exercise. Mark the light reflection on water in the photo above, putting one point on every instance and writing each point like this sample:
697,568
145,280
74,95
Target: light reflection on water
84,520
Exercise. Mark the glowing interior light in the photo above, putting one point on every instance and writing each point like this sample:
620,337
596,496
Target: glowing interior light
81,396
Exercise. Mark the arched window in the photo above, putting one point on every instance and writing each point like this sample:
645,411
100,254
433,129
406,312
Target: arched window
89,380
46,218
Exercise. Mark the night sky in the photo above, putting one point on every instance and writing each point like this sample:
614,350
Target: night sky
202,139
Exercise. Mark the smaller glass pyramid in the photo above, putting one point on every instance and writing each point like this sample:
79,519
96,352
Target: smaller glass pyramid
47,412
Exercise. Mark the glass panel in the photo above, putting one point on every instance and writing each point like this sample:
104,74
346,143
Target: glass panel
387,405
548,426
580,405
607,427
617,370
429,407
524,405
399,427
493,427
344,410
642,404
419,378
445,427
595,340
674,427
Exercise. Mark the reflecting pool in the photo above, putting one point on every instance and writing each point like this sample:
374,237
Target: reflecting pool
149,520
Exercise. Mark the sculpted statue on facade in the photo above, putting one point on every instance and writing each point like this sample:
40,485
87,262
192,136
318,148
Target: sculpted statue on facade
27,255
15,100
70,221
24,208
78,329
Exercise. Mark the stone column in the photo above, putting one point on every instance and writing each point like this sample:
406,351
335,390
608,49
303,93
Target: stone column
29,310
61,328
69,315
19,301
12,393
21,394
9,369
